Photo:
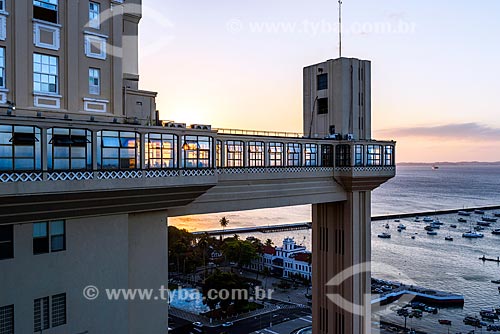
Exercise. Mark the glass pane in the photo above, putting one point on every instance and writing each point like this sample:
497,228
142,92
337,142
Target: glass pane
6,164
110,142
57,243
61,164
57,227
39,230
110,153
24,164
78,164
5,151
110,163
60,152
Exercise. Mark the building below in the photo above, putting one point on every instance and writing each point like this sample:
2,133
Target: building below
289,261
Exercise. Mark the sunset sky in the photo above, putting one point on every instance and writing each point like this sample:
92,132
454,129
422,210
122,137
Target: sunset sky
236,64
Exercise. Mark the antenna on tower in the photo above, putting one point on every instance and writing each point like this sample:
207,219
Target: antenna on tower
340,28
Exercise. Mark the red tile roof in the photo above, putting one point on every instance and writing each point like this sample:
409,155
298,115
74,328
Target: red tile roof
269,250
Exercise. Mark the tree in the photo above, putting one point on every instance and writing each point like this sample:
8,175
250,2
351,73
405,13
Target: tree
241,252
269,243
224,281
223,223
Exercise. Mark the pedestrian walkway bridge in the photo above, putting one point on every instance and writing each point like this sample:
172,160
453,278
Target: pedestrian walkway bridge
76,168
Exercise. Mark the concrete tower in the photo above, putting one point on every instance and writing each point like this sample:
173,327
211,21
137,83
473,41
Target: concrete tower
337,99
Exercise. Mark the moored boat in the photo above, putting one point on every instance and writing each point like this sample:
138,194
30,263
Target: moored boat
428,228
472,235
489,219
496,231
402,226
387,226
496,214
432,233
444,322
479,212
437,222
384,235
463,213
462,220
448,238
478,228
453,226
495,281
483,223
428,219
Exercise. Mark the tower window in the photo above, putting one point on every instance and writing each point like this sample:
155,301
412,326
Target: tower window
323,106
45,10
323,81
94,15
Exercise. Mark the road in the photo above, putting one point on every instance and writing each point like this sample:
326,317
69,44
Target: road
286,313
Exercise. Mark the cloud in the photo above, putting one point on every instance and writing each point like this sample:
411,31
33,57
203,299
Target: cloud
464,131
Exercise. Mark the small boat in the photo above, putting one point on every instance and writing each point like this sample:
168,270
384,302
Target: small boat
464,213
402,227
384,235
428,219
453,226
444,322
428,228
479,212
478,228
397,220
417,220
436,226
496,214
496,231
432,233
462,220
489,219
483,223
472,235
499,289
495,281
413,237
387,226
400,230
448,238
489,314
437,222
435,167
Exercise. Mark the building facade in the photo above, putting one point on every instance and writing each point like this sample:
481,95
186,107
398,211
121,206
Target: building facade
289,261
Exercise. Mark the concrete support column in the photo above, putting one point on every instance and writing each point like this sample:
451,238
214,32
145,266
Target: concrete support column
341,240
148,269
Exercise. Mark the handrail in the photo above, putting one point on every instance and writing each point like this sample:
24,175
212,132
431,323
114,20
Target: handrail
260,133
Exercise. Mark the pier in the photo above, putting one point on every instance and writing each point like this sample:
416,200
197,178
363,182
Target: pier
430,296
485,259
261,229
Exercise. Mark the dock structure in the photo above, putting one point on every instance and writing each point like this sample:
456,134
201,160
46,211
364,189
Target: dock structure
486,259
434,297
261,229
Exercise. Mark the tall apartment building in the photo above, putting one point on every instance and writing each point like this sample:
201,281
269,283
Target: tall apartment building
73,59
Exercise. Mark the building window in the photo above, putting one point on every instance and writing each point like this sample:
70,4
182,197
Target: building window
2,67
275,154
389,156
45,74
2,8
118,150
161,151
197,152
256,156
6,243
7,319
20,148
95,47
359,155
311,154
343,156
234,153
323,106
41,314
94,81
45,10
294,152
49,237
323,81
327,155
69,149
374,155
94,15
59,310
